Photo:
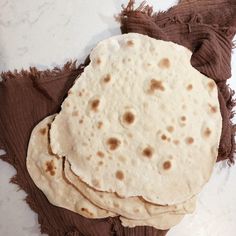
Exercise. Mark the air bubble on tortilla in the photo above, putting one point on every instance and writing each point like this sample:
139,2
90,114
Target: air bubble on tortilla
170,129
100,163
99,124
120,175
212,109
164,63
43,131
100,154
130,43
207,132
163,137
211,85
50,167
155,86
85,210
128,117
189,87
189,140
148,152
95,105
112,143
182,120
166,165
106,79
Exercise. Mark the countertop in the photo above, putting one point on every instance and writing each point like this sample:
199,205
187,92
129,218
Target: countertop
46,34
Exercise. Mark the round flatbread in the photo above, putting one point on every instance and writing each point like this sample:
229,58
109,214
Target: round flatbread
132,207
47,173
140,121
162,221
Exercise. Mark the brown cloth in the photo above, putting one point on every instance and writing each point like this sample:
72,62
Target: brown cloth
204,26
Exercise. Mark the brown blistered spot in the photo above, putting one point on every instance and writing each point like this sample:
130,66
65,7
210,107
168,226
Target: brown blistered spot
166,165
99,125
164,63
163,137
95,183
100,195
100,154
207,132
136,210
43,131
100,163
50,167
122,159
211,85
81,121
113,143
116,204
87,211
189,87
128,117
176,142
70,92
130,135
183,118
88,158
95,104
130,43
98,61
120,175
170,129
147,152
75,113
67,104
213,109
107,78
80,94
155,85
189,140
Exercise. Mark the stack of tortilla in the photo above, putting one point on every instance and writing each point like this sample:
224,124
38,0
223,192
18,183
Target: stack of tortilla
136,137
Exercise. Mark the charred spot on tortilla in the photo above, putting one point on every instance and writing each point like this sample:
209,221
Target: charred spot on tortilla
113,143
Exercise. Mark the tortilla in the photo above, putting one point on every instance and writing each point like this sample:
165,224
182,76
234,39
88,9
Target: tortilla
134,123
162,221
132,207
46,171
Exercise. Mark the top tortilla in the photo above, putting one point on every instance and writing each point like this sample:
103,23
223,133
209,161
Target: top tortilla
140,121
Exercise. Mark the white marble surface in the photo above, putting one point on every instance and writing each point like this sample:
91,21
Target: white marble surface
47,33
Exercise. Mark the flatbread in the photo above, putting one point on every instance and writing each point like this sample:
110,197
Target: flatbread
132,207
140,121
46,171
162,221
